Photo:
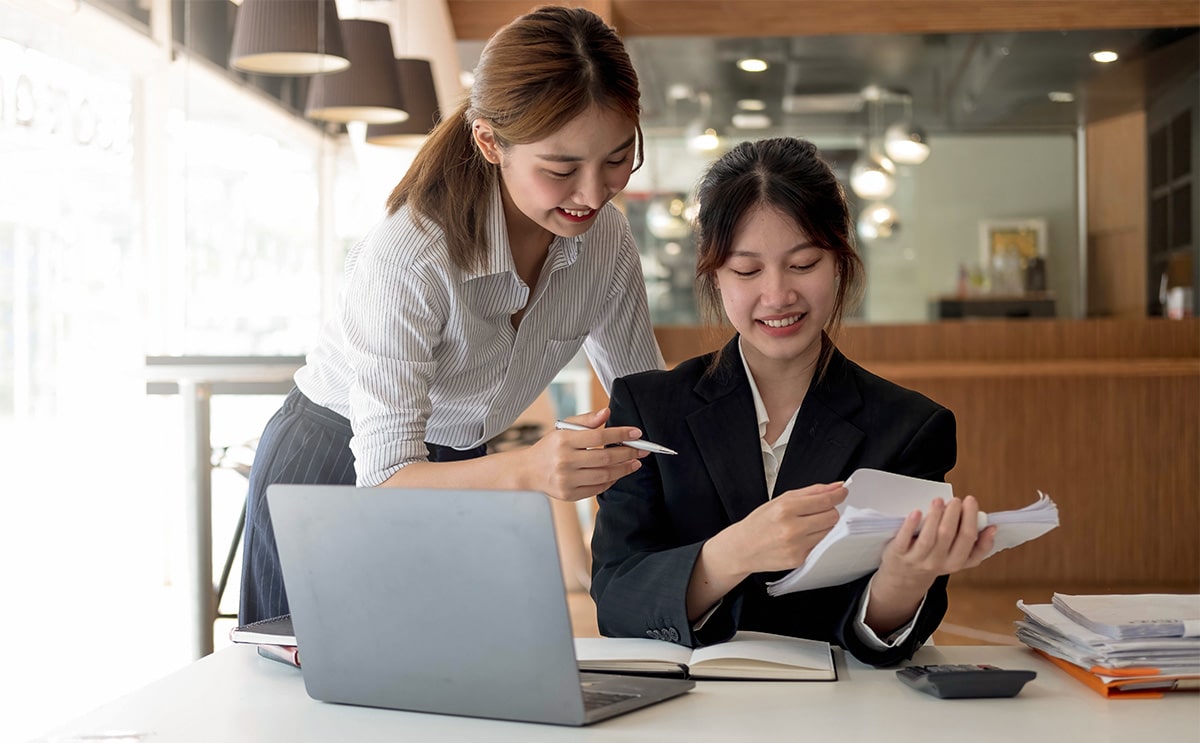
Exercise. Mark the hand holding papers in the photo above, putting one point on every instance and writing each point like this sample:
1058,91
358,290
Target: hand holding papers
874,511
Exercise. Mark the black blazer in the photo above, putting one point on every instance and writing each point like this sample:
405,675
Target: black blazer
651,524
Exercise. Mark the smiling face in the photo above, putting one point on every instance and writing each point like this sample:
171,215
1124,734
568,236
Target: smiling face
555,186
778,290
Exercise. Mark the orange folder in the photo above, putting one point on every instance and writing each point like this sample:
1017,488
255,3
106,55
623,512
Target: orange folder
1117,688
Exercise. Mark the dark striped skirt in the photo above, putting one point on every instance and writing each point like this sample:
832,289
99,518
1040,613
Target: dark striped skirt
303,443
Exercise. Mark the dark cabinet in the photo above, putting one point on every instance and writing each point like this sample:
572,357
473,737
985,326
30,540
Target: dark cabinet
1173,155
1013,307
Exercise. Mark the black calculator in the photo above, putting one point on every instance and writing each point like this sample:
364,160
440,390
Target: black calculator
965,681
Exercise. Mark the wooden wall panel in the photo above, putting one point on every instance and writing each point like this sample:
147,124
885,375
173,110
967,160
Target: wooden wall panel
1116,151
1116,168
1119,452
984,340
1116,279
478,19
1028,340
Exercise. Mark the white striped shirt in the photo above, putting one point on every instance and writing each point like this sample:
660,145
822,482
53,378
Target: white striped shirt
420,350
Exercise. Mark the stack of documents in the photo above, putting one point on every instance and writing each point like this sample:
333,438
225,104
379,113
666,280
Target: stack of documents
1135,645
875,509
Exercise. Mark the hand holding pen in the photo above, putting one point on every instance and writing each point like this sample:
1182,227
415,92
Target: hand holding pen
649,446
581,458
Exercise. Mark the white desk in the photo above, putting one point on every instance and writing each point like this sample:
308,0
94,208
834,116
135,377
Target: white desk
234,696
196,379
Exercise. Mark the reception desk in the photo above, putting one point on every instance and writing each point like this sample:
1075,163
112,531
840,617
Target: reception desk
1103,415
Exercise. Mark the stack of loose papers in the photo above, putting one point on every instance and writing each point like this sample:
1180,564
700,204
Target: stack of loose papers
1133,645
875,509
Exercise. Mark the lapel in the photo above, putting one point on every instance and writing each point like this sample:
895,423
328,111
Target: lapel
725,429
823,440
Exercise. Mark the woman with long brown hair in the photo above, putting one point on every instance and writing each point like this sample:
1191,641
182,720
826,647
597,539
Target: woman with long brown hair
499,258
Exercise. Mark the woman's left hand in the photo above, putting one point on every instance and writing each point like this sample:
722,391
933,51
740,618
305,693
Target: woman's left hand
949,541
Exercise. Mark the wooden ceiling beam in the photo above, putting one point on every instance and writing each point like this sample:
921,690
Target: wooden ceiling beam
478,19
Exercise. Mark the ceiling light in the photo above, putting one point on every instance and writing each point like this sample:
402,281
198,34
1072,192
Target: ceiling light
1061,96
1104,57
369,91
419,100
751,64
743,120
294,38
702,135
873,177
752,104
907,143
872,93
879,221
680,92
702,139
665,220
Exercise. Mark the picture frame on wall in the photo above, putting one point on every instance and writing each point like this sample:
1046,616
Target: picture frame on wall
1013,251
1025,237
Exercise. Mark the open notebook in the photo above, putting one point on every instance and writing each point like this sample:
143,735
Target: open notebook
745,656
874,511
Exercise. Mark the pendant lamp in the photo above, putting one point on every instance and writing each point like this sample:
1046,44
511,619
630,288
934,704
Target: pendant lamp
904,141
287,37
703,134
419,98
878,221
369,91
873,177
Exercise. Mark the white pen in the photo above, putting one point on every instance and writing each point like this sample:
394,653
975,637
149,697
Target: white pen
635,444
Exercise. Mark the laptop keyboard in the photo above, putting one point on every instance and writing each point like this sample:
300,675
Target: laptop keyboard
593,699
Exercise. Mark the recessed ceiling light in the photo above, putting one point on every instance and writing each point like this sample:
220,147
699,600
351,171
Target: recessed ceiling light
751,121
752,104
1104,57
751,64
1061,96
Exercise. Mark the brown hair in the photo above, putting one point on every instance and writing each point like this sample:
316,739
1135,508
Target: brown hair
789,175
534,76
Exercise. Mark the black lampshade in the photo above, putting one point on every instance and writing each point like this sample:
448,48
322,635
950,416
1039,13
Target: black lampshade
420,100
369,91
288,37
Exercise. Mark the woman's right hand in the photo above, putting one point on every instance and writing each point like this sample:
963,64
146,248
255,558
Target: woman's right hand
779,534
573,465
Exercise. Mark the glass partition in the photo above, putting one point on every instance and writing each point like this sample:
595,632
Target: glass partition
941,207
150,203
996,215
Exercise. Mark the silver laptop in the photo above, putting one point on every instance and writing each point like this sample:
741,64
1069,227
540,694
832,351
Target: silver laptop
447,601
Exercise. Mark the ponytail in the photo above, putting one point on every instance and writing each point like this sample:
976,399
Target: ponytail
450,183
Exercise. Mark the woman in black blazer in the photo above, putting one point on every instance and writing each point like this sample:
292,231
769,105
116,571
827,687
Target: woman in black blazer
767,429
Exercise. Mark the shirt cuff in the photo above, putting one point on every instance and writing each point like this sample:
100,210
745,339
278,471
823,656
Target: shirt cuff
699,623
868,636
